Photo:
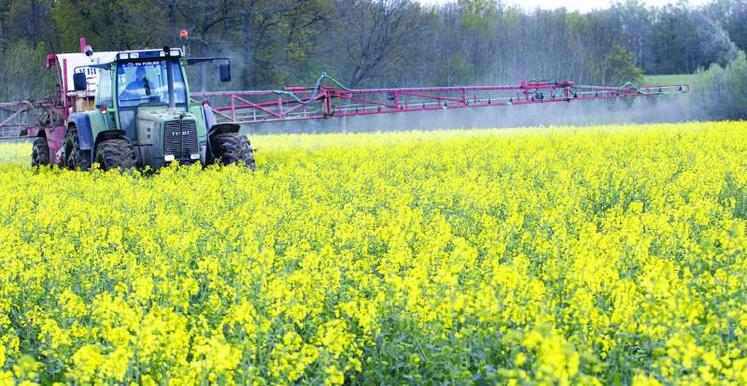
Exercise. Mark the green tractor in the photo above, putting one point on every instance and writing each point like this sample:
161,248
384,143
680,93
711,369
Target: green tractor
142,116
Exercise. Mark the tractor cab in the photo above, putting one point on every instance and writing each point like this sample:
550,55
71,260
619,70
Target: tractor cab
141,83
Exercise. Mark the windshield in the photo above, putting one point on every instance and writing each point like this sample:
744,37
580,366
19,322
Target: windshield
146,83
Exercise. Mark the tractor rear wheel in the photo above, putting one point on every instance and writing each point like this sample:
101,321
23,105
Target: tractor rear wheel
232,148
40,152
115,153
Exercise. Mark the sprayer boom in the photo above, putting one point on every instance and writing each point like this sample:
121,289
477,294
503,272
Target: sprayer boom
17,117
326,101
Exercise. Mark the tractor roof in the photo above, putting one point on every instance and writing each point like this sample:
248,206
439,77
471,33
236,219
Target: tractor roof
148,54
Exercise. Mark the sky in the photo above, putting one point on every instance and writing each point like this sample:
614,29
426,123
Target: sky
580,5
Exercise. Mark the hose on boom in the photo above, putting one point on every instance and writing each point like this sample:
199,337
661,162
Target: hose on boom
315,91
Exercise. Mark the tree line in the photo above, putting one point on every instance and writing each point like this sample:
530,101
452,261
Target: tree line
380,43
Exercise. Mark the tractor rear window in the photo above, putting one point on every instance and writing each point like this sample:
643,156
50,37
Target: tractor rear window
146,83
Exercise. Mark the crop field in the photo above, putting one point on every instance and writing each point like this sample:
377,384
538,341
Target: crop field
609,255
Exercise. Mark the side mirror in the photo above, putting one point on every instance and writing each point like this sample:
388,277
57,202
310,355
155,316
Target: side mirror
225,72
79,81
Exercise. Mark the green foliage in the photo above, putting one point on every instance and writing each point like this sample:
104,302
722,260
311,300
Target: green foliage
615,67
455,70
723,90
672,37
478,14
22,69
24,19
112,25
622,68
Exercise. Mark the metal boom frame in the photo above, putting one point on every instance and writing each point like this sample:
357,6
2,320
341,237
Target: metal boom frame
321,102
18,117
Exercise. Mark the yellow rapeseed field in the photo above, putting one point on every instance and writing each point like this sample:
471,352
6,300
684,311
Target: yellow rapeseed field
610,255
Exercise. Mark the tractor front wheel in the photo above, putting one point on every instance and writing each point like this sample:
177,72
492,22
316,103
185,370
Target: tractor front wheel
115,153
74,157
231,148
40,152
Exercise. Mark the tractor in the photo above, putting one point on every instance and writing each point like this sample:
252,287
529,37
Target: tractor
132,109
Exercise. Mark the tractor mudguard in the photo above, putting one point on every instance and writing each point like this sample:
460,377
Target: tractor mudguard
217,128
222,128
85,134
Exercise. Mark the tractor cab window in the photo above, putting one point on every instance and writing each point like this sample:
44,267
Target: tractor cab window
104,90
146,84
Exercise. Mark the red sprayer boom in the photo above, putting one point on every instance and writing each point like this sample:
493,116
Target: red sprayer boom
322,101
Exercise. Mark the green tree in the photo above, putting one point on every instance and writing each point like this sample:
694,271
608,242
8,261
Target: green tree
22,72
27,20
673,41
109,25
280,40
620,67
722,90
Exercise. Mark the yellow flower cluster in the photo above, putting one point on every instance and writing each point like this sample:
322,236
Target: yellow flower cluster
610,255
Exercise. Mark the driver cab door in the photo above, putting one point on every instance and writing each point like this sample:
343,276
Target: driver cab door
135,83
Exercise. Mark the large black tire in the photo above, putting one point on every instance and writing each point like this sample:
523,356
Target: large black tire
75,158
115,153
40,152
231,148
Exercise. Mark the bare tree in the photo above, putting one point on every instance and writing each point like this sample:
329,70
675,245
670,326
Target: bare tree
373,31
